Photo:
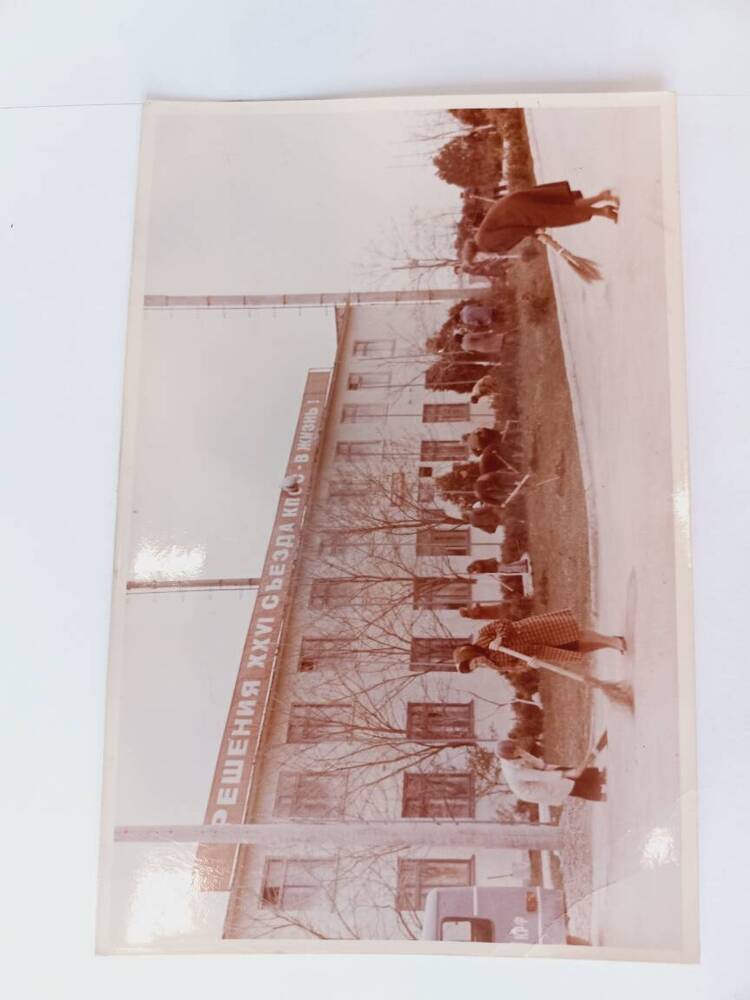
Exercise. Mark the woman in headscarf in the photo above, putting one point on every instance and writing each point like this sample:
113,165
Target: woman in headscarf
554,636
529,213
547,206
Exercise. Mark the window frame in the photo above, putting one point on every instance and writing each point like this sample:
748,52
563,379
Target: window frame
306,725
367,380
423,796
426,585
423,664
432,737
425,538
313,643
430,451
432,413
421,890
358,353
346,450
298,777
363,413
284,885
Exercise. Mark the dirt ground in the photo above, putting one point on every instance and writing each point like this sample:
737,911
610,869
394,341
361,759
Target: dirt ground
549,519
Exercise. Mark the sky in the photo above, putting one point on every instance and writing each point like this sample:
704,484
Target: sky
289,202
239,203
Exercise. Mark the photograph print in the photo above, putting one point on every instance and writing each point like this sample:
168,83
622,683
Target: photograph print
401,642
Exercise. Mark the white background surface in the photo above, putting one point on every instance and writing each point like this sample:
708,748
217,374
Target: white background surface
71,78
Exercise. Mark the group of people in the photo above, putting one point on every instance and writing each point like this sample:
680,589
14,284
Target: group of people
476,334
556,638
496,478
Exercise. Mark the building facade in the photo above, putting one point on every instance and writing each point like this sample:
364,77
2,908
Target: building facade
368,721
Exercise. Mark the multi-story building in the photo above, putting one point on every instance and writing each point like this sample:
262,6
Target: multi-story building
367,720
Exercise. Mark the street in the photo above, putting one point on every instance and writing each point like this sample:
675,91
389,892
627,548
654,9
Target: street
617,353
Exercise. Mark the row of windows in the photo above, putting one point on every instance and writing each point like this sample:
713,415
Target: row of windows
425,721
432,541
429,451
433,654
310,883
432,413
315,795
427,592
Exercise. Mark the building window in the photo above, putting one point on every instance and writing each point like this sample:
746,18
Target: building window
369,380
426,491
363,413
435,541
438,795
349,486
438,413
318,652
417,877
318,723
298,884
440,720
374,348
339,593
433,654
443,451
441,592
398,488
335,543
350,451
308,793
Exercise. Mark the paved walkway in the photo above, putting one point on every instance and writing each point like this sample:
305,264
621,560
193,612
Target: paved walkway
617,353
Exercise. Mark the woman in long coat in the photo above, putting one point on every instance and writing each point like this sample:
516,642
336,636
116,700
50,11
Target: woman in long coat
547,206
554,636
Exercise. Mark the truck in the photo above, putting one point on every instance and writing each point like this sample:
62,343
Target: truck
514,915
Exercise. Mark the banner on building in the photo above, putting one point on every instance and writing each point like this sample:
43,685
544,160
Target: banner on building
232,780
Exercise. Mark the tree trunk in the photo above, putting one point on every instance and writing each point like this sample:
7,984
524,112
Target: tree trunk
457,834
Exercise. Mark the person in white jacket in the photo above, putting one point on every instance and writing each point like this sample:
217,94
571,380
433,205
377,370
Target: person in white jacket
532,780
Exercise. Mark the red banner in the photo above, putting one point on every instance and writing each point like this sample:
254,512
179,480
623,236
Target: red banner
231,784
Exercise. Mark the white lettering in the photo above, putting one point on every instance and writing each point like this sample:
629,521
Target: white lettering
232,772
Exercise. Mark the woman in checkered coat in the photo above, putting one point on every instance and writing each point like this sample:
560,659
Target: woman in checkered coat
554,636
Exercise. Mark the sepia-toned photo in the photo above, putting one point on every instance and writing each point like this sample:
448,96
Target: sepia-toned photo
401,647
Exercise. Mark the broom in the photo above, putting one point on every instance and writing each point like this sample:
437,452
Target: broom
619,692
586,269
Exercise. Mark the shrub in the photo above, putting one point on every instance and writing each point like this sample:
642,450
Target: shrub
470,116
457,486
475,158
454,374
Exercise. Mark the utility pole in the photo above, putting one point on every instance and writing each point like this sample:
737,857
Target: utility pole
457,834
309,300
154,586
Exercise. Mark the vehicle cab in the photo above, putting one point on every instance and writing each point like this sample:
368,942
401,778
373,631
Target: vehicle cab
513,915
